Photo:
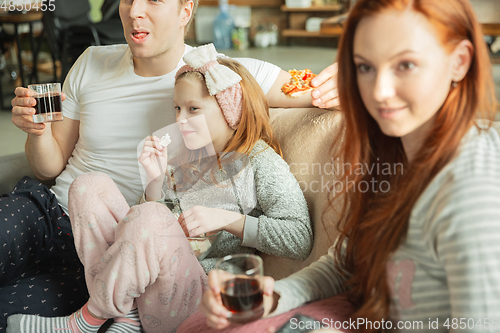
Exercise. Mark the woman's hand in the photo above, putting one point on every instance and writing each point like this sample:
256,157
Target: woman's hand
325,94
154,159
211,304
198,220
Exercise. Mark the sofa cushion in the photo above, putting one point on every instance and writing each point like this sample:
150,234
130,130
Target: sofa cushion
306,137
14,167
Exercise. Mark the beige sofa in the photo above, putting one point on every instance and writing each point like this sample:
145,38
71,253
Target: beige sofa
306,137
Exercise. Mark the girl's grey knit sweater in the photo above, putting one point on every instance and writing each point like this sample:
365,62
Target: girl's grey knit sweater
277,219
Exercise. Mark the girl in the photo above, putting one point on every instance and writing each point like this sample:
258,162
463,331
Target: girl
139,257
425,255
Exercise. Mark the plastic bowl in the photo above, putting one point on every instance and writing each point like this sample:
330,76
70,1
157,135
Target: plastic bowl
202,245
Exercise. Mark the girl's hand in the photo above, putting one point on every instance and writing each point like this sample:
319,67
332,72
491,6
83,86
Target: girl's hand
198,220
154,159
211,304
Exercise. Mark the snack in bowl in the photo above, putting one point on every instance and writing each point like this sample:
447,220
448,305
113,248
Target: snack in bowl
299,84
202,245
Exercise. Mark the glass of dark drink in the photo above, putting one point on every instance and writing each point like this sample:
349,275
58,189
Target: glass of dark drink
240,277
48,102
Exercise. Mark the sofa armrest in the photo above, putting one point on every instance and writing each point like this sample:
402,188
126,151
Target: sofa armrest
14,167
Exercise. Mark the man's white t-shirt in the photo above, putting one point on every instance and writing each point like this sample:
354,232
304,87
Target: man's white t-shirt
117,109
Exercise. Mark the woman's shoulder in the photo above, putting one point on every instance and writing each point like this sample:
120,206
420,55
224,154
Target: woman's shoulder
479,155
469,186
473,173
463,203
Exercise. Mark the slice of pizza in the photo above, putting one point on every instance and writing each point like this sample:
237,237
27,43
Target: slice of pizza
299,84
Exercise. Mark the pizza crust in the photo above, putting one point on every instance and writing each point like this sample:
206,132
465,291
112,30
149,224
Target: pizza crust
300,93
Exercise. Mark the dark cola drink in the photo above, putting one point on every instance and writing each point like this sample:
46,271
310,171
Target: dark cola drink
48,102
244,298
241,292
48,108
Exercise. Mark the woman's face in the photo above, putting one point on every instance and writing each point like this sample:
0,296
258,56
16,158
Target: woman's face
199,116
404,73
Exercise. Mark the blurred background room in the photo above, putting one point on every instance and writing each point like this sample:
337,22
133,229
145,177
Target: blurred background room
39,45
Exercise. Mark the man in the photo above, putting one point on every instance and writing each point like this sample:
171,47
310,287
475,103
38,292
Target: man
115,96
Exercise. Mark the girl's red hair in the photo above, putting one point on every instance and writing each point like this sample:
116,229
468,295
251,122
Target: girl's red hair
373,225
254,126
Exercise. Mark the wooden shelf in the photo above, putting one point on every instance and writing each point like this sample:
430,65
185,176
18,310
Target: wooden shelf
326,8
492,29
326,28
19,17
297,20
304,33
251,3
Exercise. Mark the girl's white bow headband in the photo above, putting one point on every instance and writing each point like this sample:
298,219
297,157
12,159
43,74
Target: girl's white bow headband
222,82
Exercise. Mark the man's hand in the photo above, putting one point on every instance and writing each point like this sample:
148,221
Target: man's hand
23,111
49,146
325,94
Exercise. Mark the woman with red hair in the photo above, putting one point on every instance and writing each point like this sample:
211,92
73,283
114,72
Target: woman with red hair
421,252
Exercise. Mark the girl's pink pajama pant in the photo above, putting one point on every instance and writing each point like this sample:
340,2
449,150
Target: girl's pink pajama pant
133,257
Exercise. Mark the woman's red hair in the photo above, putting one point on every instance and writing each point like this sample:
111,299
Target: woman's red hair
373,225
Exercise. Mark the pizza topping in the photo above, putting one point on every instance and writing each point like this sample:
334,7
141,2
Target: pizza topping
299,84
